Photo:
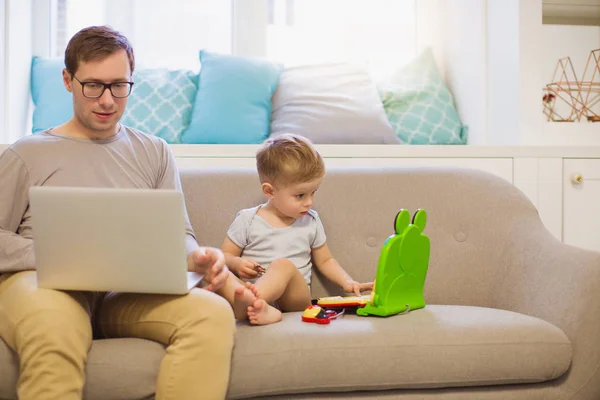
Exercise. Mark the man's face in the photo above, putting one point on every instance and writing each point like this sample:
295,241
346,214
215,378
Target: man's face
98,117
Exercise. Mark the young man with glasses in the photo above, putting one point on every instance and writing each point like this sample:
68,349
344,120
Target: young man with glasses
51,330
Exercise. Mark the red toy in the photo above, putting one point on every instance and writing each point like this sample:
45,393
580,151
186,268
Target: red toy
319,315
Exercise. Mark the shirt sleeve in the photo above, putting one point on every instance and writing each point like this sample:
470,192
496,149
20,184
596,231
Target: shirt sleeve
16,251
238,230
320,237
169,179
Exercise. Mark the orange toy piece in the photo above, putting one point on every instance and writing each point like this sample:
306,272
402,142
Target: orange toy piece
344,301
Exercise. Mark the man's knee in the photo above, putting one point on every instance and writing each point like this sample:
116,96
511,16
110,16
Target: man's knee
30,314
207,310
53,328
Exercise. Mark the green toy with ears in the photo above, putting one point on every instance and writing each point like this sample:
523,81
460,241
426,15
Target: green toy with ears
402,268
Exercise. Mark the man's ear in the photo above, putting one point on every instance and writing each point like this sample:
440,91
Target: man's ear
67,81
268,190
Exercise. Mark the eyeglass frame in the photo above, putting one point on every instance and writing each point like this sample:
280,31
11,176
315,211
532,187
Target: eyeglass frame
106,86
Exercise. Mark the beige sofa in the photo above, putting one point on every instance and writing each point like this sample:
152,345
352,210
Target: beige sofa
512,313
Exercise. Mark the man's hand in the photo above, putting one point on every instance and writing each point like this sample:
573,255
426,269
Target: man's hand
210,262
351,286
248,269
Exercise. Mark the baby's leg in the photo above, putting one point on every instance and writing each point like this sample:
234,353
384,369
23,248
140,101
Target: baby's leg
239,294
282,282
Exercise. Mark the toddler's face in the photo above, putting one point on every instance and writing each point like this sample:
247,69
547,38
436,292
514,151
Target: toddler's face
295,200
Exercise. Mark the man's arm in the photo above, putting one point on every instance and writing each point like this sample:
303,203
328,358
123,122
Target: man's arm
16,252
170,180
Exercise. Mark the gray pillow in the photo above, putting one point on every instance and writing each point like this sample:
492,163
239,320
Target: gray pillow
330,104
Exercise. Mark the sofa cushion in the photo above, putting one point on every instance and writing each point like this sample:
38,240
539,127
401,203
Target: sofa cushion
438,346
117,369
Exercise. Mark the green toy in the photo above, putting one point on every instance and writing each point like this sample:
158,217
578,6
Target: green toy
402,268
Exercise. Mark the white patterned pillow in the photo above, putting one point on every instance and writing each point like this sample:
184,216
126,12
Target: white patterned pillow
161,102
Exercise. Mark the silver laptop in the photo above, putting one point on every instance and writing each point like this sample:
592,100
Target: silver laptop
122,240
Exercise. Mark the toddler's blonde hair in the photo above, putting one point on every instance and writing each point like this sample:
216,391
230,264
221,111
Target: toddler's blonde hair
288,159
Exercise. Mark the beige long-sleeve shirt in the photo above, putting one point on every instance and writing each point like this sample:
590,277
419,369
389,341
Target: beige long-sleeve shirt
130,159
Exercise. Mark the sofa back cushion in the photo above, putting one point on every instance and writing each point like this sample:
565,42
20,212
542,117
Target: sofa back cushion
472,217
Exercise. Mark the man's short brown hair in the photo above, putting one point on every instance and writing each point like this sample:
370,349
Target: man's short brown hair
96,43
288,159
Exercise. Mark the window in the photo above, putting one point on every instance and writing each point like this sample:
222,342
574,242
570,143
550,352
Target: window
164,34
380,34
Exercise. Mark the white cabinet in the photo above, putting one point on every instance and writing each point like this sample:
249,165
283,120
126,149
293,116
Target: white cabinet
581,203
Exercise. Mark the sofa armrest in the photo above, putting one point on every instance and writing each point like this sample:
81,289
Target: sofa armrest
558,283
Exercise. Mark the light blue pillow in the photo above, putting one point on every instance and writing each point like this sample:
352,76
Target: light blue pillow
161,102
53,103
233,103
419,105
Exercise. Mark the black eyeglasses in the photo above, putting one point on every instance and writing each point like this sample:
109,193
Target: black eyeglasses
93,90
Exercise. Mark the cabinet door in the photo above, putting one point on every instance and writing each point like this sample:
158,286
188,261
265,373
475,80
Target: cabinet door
581,203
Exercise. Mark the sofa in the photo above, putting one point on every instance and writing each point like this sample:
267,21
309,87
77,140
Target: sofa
511,312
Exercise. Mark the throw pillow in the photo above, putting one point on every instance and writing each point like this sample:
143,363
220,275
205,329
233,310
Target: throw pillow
420,106
233,102
330,104
53,103
161,102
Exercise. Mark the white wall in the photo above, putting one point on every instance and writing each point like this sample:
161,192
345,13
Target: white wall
575,42
455,30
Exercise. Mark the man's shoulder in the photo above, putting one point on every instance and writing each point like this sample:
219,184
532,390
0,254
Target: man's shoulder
31,145
145,138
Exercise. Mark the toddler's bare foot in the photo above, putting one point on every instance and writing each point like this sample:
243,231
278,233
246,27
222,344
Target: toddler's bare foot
251,287
261,313
244,296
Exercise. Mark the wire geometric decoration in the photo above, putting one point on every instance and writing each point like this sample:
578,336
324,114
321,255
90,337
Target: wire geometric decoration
573,98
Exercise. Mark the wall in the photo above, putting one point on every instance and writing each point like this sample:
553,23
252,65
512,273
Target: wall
490,53
576,42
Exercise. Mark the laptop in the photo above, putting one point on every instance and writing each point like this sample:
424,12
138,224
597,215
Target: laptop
121,240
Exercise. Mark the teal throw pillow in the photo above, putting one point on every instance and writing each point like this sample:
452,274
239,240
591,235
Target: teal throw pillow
233,103
419,105
161,102
53,103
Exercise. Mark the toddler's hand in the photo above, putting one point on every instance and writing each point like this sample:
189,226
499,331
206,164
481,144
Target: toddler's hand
357,287
249,269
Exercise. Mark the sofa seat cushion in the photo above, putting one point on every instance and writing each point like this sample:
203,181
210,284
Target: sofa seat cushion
117,369
435,347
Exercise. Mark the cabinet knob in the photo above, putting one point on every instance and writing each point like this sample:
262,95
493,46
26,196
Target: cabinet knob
577,179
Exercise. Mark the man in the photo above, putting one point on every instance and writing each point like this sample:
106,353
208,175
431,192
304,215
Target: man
51,329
